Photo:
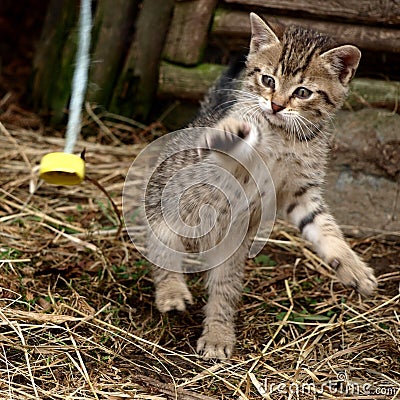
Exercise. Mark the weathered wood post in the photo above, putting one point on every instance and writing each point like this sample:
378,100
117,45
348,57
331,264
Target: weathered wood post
112,28
54,59
187,36
137,84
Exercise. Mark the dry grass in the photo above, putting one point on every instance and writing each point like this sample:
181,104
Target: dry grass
77,319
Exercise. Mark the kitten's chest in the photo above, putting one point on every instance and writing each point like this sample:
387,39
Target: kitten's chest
289,166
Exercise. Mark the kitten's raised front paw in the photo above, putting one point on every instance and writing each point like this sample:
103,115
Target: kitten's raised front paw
234,127
217,342
172,295
353,272
227,135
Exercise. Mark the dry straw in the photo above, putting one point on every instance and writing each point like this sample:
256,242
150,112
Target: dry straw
77,319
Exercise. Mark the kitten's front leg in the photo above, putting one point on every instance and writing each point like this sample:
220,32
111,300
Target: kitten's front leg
308,212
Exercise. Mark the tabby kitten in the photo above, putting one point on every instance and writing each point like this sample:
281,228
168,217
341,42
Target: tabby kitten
278,108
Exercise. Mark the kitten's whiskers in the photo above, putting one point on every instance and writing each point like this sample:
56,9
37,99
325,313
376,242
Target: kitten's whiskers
301,125
306,122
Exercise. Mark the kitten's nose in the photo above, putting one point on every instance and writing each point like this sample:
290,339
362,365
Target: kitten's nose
276,107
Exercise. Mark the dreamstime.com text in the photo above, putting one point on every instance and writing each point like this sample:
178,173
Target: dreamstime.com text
340,386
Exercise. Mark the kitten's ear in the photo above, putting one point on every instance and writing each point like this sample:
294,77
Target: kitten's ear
261,34
344,61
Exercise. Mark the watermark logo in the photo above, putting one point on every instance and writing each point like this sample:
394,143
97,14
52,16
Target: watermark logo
342,386
341,376
190,207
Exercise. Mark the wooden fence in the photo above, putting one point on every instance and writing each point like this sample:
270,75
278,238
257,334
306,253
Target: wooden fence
153,49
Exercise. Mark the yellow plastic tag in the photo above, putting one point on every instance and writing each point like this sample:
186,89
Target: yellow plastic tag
62,169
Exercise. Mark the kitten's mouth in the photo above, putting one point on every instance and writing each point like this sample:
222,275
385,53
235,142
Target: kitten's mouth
302,134
274,118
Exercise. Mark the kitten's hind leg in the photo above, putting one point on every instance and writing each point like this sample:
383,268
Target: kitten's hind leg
224,284
172,292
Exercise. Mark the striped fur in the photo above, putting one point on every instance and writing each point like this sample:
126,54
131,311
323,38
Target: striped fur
270,106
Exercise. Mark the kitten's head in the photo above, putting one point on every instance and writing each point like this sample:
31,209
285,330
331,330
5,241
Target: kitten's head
300,78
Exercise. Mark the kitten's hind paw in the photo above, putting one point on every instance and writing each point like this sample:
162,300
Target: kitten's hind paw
173,295
216,343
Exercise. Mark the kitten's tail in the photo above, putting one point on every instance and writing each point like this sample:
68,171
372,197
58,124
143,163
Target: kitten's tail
221,96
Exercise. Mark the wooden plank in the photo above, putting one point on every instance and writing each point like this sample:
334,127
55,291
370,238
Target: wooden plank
187,82
112,24
193,82
374,92
55,59
188,31
366,11
236,25
137,84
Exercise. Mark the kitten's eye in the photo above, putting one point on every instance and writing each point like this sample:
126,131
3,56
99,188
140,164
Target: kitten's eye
268,81
302,93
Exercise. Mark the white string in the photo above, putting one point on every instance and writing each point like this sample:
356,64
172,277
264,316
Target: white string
79,81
